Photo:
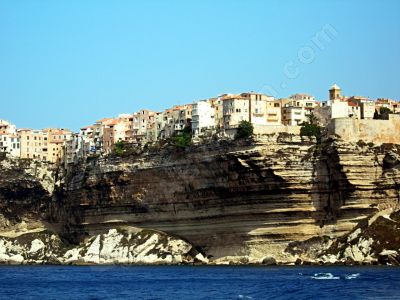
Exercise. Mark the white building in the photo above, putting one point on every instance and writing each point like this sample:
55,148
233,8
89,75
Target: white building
74,149
203,117
10,144
294,116
296,108
339,109
251,107
7,128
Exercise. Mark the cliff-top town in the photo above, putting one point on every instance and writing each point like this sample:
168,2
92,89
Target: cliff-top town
220,115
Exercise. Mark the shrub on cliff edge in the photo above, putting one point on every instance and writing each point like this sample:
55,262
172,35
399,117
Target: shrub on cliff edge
311,127
184,139
119,148
383,114
245,130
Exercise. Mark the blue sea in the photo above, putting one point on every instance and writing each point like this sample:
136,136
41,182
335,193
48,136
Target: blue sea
204,282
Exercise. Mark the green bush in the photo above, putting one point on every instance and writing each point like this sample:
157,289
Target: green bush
311,127
119,148
183,140
245,130
308,129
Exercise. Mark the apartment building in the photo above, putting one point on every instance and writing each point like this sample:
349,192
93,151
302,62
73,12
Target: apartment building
7,128
9,140
296,108
143,121
182,116
203,117
217,106
34,144
123,129
74,149
253,107
366,107
273,112
10,144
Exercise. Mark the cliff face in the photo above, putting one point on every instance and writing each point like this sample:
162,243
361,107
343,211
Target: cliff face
26,189
235,200
279,197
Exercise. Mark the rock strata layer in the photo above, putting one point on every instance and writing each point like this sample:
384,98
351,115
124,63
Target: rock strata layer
279,199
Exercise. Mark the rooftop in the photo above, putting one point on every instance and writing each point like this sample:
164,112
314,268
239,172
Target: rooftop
335,87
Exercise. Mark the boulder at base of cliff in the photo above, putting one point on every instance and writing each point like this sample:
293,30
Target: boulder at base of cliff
372,242
232,260
131,246
269,261
32,248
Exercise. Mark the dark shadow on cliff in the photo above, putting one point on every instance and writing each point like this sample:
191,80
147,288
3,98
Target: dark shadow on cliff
331,188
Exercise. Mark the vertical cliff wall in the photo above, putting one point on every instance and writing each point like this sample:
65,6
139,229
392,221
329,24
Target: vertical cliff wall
26,189
232,199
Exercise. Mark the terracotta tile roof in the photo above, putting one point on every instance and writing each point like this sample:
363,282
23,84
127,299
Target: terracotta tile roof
103,120
111,122
352,104
87,127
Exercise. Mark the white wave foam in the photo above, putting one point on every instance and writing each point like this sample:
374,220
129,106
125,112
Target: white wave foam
244,297
352,276
324,276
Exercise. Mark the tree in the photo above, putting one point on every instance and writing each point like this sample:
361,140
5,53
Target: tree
245,130
184,139
119,148
311,127
385,110
383,113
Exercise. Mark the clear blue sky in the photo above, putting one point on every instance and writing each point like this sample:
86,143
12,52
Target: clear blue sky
69,63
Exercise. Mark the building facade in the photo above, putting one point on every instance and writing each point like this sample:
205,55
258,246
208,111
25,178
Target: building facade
203,117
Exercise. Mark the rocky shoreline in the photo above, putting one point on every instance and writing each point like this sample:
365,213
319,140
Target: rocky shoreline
375,241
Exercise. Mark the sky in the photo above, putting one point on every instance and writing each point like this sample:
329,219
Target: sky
69,63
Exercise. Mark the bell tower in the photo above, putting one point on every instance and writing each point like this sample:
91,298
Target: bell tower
335,92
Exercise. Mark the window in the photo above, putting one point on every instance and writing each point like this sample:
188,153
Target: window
276,104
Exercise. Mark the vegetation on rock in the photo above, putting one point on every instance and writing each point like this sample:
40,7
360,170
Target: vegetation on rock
311,128
245,130
184,139
119,148
383,114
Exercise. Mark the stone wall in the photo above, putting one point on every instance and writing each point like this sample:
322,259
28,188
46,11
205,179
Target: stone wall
268,129
367,130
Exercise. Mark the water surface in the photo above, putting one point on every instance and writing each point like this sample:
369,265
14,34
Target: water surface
210,282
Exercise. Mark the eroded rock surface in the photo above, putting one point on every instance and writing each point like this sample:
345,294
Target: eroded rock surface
374,241
279,198
244,200
117,246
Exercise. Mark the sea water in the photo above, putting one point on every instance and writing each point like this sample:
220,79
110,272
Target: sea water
203,282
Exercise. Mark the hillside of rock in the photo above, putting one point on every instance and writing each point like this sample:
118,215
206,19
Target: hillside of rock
241,202
240,199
